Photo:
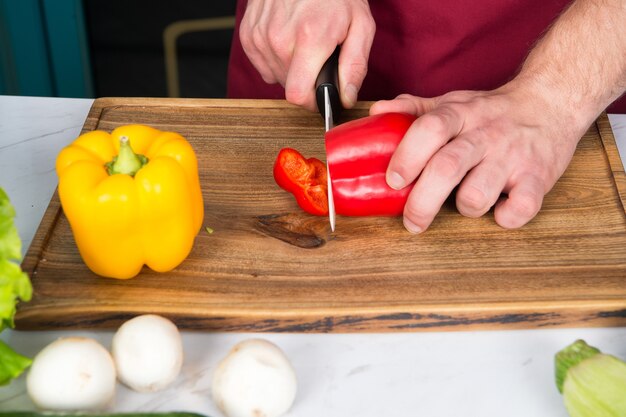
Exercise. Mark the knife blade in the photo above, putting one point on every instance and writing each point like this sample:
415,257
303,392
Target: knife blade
328,124
329,106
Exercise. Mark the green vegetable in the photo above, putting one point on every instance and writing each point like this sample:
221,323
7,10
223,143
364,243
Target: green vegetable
35,414
14,285
593,384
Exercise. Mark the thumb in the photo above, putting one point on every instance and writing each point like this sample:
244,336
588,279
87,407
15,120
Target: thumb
404,103
355,52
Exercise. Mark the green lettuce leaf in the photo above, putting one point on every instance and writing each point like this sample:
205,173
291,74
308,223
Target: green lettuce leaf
11,364
10,244
14,286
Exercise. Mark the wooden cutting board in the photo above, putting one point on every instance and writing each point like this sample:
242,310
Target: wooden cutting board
269,267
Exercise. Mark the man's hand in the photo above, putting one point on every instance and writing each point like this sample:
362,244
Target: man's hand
288,42
488,142
518,139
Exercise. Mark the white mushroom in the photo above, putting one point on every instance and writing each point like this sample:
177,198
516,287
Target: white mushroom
148,353
254,380
70,374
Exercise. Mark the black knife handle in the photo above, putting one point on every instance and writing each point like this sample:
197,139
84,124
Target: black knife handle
329,78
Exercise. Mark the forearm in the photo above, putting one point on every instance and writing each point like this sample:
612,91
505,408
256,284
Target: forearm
579,66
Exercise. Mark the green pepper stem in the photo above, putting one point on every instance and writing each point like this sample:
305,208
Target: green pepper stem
570,356
127,161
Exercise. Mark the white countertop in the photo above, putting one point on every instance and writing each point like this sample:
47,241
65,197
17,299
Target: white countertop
437,374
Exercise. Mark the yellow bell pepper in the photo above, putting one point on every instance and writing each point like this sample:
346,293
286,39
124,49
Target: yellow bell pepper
132,197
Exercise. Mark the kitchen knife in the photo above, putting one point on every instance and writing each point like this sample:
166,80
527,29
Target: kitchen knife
329,106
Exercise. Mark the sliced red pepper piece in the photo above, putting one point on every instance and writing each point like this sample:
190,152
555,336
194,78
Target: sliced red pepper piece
304,178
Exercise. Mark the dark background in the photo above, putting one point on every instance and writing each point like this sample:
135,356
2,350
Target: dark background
126,47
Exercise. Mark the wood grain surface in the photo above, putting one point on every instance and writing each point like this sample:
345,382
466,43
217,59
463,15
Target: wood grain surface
269,267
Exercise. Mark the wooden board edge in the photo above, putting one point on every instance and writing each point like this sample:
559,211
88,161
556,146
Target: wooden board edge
102,104
612,153
502,316
34,254
95,112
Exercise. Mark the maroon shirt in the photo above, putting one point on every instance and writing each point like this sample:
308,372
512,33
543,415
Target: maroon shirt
428,48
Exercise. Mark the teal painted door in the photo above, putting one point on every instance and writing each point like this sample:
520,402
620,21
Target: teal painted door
43,49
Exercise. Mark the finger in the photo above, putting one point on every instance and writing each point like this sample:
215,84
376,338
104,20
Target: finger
481,188
404,103
277,47
353,58
443,172
254,10
305,66
250,36
522,203
424,138
255,56
259,61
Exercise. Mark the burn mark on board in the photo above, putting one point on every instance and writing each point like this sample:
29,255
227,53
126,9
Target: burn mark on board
297,229
411,321
401,321
612,314
437,320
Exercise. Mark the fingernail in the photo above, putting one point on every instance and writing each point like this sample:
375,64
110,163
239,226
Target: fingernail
350,93
395,180
412,227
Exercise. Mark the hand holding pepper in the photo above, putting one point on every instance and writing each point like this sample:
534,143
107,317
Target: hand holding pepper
488,142
474,139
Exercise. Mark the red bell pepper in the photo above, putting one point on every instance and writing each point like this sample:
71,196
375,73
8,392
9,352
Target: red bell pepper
304,178
358,153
